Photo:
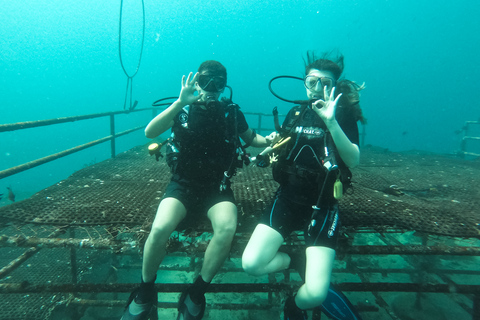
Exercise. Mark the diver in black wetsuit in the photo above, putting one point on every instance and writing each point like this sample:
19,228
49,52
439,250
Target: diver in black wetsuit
205,155
318,142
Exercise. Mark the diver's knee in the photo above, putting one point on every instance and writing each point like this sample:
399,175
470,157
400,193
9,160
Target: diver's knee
226,231
250,265
316,295
158,235
251,268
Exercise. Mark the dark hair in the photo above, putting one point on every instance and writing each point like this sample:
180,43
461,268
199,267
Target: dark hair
213,67
333,62
326,61
350,98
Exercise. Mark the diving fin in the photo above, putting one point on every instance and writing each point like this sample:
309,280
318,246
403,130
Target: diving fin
337,306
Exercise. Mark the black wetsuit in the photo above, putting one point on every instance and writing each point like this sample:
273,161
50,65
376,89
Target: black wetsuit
205,141
302,175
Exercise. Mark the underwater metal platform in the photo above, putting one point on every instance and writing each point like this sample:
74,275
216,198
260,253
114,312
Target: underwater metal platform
410,242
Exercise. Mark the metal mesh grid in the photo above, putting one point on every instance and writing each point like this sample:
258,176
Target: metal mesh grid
424,192
54,266
30,306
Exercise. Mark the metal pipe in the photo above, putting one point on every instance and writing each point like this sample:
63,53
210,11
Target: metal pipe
73,259
259,123
47,122
14,264
125,246
14,170
25,287
21,241
163,305
112,134
472,154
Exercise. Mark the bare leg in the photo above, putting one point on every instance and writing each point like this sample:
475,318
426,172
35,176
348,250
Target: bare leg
169,214
223,216
317,277
261,255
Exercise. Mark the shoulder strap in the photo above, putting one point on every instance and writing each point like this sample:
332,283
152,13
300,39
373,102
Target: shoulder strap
295,115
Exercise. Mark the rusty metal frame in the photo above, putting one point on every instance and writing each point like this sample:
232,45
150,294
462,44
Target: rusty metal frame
130,247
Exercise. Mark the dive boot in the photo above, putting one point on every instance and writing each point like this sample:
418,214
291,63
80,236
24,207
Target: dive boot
189,310
140,311
292,312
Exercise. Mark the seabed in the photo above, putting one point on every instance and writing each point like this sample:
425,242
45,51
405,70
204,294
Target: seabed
409,250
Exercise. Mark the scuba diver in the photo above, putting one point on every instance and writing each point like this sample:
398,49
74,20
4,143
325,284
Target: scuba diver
316,144
204,153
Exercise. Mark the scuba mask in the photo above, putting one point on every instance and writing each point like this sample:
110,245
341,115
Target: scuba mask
211,83
317,84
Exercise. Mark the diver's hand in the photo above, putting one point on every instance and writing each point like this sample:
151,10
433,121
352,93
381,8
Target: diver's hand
326,108
187,94
273,138
263,158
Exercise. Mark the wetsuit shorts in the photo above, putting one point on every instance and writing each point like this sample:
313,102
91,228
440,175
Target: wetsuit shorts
285,216
197,197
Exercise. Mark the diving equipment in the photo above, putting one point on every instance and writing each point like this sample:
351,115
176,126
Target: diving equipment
154,148
262,159
276,122
292,312
188,310
140,311
211,83
317,84
336,306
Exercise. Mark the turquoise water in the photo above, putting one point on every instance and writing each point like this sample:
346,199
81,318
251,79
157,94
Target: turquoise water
419,61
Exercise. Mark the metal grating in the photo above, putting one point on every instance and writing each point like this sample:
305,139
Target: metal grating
412,191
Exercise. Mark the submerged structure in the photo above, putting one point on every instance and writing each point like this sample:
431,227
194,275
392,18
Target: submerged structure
410,243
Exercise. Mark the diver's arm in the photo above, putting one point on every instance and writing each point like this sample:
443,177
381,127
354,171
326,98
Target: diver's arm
325,109
256,140
348,151
164,120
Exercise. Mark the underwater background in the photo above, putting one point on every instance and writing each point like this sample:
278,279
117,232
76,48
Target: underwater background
419,60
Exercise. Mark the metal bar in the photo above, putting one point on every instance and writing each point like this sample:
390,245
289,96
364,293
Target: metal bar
471,154
25,287
73,259
164,305
21,241
112,134
265,129
14,170
172,305
413,250
124,246
335,270
259,126
471,138
47,122
14,264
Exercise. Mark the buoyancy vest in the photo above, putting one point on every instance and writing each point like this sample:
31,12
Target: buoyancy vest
204,141
308,158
